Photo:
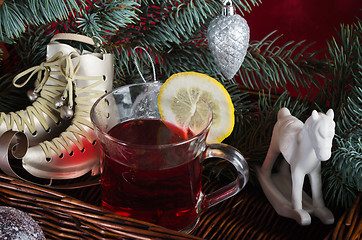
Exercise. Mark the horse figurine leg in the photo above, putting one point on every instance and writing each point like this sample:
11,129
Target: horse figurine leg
320,211
297,191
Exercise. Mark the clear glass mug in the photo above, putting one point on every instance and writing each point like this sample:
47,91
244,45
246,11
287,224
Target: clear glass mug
149,172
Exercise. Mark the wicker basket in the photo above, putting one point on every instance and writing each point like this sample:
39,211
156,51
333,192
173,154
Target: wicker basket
75,214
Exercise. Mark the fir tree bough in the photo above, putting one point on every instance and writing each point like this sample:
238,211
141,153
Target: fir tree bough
173,32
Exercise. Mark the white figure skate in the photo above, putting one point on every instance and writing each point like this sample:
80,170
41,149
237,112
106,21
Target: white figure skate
74,151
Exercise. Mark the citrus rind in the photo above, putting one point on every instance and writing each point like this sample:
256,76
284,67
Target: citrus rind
182,100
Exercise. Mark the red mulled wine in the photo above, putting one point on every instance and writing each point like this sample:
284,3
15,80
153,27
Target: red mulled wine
152,174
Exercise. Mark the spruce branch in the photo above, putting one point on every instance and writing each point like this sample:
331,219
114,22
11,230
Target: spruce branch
16,16
267,65
31,46
105,18
344,56
159,29
343,172
29,50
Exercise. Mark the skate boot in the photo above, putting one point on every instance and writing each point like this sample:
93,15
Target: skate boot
41,121
74,152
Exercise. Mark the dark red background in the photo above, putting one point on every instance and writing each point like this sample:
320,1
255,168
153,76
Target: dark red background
314,21
297,20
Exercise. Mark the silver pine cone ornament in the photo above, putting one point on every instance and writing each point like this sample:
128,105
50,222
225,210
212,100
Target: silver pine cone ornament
228,36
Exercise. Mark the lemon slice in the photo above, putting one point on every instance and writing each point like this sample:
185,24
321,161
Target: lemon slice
182,98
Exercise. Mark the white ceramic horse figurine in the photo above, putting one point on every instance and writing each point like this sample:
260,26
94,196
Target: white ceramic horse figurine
303,146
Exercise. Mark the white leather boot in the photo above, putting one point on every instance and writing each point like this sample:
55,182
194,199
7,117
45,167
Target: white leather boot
74,151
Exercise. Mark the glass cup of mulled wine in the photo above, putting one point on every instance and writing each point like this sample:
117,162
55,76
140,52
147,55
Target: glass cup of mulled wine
151,172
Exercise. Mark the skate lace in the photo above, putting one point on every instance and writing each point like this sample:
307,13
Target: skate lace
44,103
81,123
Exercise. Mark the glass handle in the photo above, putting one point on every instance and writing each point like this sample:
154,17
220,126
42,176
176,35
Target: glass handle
231,154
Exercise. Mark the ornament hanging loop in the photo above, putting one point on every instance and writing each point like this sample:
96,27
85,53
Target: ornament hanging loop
228,8
98,43
137,66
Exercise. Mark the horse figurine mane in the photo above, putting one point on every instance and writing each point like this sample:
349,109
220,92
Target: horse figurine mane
304,146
